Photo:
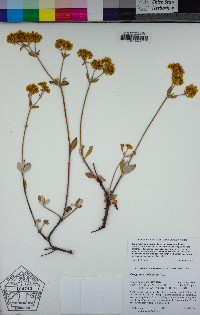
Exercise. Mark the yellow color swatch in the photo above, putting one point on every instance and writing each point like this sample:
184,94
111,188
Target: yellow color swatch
47,15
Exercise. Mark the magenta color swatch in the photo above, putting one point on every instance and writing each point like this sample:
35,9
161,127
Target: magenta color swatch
3,4
79,4
79,14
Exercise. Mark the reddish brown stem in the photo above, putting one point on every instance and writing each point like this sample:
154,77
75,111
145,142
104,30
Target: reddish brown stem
54,248
69,148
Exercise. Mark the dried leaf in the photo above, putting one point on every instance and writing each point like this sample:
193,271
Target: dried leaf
46,202
102,178
113,197
128,168
89,175
27,167
115,204
89,151
121,165
95,80
41,200
19,166
68,209
169,91
129,146
65,83
122,147
173,96
78,203
73,144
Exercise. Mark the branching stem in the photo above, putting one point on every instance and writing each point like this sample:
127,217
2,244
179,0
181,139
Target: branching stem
64,216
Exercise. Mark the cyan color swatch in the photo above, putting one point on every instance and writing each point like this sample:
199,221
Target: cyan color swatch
14,4
15,15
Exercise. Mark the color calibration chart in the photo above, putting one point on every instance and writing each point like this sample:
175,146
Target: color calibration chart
66,10
89,10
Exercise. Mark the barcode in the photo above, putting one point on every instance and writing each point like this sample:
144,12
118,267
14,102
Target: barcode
135,37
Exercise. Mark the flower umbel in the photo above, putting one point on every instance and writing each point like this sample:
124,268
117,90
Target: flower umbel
177,73
32,89
104,64
23,37
44,87
97,64
191,91
63,44
84,54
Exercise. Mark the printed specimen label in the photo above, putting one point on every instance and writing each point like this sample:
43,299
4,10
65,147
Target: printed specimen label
156,6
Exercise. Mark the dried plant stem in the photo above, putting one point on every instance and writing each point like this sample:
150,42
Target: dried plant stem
69,149
108,204
98,179
45,68
52,211
54,248
83,108
68,135
24,135
149,125
139,142
67,124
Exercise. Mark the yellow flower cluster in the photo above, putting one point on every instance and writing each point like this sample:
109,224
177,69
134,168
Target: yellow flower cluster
44,87
97,64
63,44
84,54
109,68
177,73
32,89
105,64
24,37
191,90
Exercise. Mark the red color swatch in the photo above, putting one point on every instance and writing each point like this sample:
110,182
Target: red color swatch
63,15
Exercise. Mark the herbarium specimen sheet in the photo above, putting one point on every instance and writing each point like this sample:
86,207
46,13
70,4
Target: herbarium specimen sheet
100,143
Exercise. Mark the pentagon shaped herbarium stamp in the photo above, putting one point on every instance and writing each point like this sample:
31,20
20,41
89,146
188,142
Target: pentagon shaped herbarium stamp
22,290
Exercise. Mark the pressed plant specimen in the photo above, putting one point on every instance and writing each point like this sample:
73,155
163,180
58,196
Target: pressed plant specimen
106,67
28,41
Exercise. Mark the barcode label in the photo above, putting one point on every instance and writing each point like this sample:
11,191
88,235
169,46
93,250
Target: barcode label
136,37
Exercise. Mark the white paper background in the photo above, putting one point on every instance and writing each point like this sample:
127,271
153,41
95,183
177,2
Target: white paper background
160,199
